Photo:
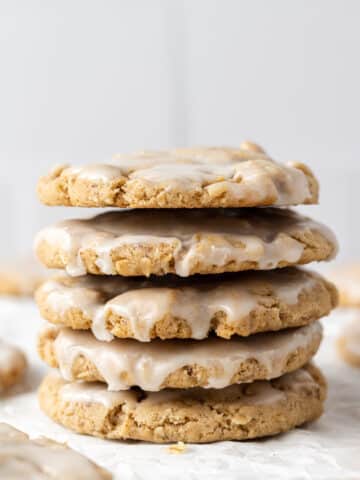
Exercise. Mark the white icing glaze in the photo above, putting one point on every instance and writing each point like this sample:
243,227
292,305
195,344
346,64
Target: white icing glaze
257,393
143,303
86,392
125,363
243,174
262,393
95,172
41,459
205,237
297,381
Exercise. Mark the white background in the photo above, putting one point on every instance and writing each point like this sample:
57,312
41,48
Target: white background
81,80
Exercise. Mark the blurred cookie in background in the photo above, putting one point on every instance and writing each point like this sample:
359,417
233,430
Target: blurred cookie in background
20,277
347,281
12,365
22,457
349,343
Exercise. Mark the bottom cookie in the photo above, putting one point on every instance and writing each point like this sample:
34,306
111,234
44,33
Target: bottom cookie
349,343
238,412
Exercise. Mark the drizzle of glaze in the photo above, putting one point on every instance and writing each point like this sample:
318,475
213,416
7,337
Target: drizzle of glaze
204,237
126,363
244,174
143,303
257,393
261,393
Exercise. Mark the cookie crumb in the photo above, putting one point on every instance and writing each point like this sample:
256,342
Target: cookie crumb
177,448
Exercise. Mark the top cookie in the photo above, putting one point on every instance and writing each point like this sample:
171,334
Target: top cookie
182,178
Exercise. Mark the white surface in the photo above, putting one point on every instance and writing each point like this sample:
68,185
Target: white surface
328,449
83,79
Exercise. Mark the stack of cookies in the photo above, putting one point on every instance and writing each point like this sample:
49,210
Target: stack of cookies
182,316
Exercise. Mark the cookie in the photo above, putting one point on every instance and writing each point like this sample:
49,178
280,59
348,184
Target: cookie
42,459
238,412
20,277
145,242
170,307
349,343
182,178
12,365
347,280
211,363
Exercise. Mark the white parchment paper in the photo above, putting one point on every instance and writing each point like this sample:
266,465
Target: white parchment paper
327,449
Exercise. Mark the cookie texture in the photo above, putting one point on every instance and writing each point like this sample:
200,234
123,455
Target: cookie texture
349,343
42,459
169,307
145,242
12,365
182,178
238,412
211,363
